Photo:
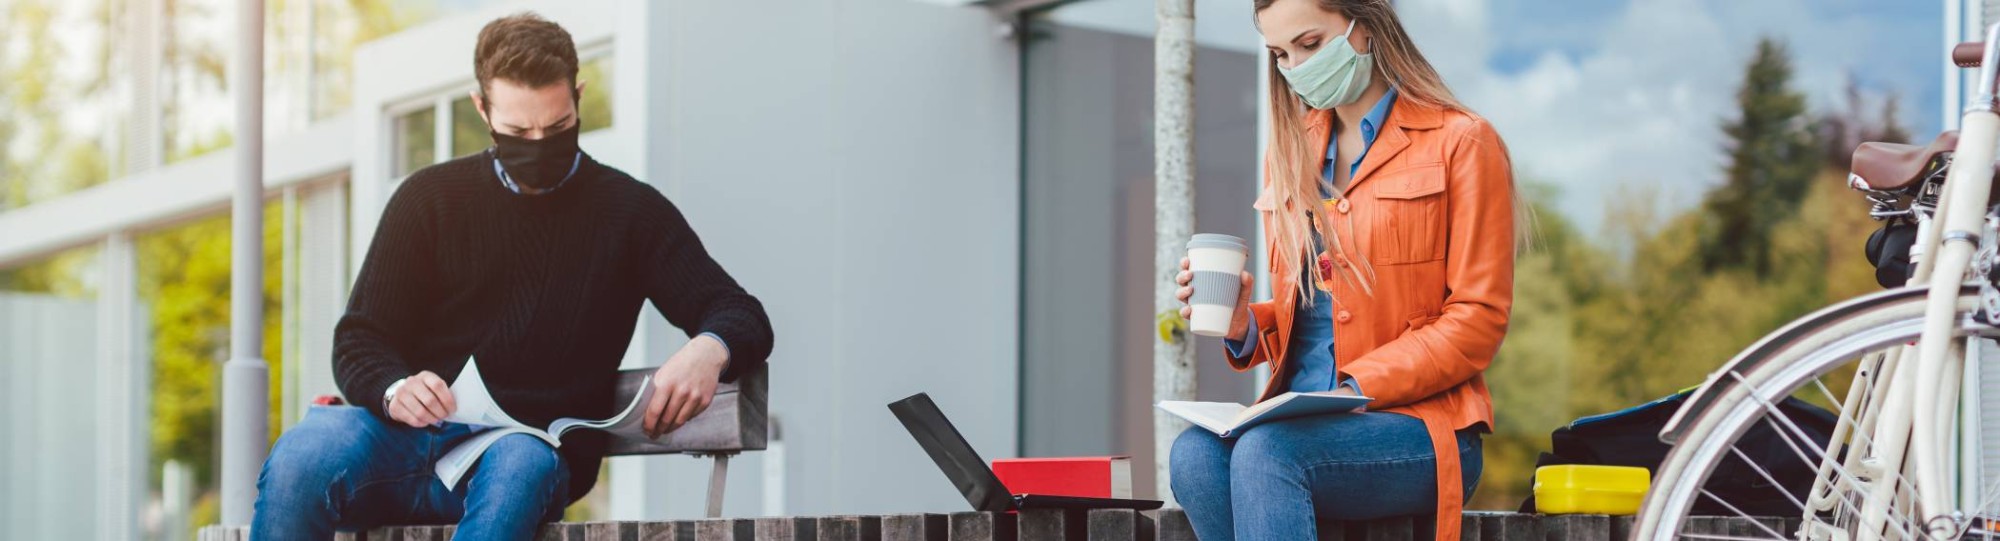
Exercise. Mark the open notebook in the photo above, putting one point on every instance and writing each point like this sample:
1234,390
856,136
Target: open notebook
477,408
1229,420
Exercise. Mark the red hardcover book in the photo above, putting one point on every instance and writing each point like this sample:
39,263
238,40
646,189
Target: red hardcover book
1087,477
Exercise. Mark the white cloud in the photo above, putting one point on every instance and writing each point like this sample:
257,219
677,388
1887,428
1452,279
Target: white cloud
1643,106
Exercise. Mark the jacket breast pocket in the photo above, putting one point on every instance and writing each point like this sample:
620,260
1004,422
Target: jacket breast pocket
1408,223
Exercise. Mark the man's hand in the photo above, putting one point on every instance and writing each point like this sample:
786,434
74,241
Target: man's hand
423,400
683,387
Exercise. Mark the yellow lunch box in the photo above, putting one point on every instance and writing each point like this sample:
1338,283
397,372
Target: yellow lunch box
1591,490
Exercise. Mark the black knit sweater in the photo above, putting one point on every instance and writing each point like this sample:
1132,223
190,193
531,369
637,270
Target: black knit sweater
544,290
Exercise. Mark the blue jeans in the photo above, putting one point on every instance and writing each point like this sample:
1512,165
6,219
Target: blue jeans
1276,479
344,468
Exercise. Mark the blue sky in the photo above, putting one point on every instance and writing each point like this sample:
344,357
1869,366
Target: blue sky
1606,97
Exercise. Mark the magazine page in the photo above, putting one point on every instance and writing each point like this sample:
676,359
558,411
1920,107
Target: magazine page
475,405
477,409
453,465
627,423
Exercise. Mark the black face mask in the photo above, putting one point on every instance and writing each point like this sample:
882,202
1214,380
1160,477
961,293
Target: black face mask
538,163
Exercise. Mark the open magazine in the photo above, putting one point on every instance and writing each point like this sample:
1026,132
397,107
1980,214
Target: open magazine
1230,420
477,408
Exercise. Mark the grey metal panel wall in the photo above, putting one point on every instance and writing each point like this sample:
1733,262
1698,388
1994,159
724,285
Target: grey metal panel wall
1088,330
853,164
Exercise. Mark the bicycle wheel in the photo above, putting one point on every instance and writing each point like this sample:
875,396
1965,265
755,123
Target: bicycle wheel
1833,357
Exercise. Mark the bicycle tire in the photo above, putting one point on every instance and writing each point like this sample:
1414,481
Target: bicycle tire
1704,431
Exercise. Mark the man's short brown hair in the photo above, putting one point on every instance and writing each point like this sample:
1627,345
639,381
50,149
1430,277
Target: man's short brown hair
524,48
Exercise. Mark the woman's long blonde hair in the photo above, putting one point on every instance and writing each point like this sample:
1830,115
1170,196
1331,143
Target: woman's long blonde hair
1294,181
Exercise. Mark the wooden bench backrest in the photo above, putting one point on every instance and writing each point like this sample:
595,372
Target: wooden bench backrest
737,420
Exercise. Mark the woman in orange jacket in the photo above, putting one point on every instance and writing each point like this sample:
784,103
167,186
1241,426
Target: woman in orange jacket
1389,214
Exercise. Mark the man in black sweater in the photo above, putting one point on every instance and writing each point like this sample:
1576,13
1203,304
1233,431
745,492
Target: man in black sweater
535,260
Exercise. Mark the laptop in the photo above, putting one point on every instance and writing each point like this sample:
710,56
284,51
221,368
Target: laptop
973,477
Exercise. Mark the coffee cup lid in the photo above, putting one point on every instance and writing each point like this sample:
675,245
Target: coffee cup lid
1218,241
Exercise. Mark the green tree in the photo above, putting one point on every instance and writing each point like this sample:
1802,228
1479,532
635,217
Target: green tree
1771,162
1649,306
1842,129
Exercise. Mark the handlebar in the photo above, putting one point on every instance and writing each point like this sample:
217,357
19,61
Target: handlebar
1966,55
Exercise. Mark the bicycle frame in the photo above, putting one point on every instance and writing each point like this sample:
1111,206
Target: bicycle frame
1918,386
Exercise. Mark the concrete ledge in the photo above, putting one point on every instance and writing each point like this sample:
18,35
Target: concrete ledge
1058,525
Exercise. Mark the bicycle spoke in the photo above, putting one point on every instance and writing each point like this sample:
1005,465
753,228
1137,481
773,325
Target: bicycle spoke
1767,477
1745,516
1685,535
1788,431
1847,501
1903,525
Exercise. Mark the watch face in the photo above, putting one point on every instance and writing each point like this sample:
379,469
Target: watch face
390,393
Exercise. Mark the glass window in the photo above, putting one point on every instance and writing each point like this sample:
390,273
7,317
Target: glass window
595,74
69,275
183,280
67,105
469,133
416,141
341,27
197,116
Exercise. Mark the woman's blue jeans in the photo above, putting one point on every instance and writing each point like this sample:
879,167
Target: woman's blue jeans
1276,479
344,468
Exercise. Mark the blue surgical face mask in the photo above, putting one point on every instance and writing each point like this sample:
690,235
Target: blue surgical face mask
1336,75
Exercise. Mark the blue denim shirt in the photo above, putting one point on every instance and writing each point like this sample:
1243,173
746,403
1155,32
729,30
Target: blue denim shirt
1311,357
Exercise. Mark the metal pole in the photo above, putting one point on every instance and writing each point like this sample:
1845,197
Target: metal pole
1173,214
245,378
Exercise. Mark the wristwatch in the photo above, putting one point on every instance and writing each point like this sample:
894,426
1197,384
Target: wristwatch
390,394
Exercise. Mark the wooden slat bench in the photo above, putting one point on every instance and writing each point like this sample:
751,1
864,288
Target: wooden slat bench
1098,525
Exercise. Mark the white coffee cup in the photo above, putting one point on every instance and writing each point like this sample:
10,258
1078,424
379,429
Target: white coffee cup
1217,263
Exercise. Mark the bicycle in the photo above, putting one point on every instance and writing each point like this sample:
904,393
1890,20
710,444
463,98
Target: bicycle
1896,463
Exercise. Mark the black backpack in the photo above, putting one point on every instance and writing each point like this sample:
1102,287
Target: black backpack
1631,437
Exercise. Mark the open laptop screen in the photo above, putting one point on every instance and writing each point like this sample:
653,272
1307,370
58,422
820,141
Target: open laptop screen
953,455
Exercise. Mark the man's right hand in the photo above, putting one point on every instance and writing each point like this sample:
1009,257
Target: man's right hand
423,400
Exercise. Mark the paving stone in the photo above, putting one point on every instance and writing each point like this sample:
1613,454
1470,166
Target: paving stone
925,527
1051,525
611,531
725,529
1173,525
1111,525
850,528
786,529
982,526
679,530
1576,528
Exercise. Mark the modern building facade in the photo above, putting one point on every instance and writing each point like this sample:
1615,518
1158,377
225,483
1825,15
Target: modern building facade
929,196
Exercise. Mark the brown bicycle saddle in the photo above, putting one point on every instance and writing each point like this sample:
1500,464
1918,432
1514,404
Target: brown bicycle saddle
1890,167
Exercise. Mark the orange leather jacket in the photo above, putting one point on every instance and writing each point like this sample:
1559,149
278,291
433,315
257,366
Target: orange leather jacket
1432,211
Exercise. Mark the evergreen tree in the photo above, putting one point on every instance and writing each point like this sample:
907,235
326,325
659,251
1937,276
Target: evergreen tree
1772,161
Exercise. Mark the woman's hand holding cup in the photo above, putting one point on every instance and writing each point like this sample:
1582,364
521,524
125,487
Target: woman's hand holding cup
1223,255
